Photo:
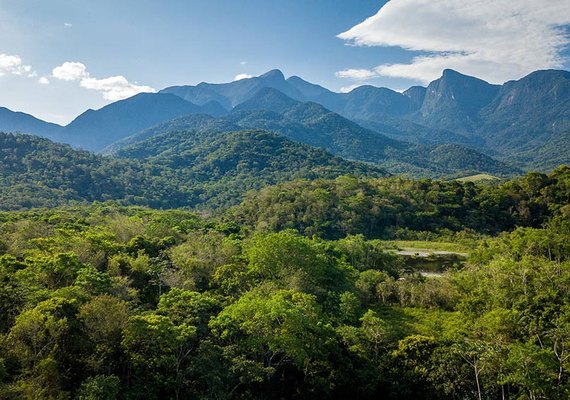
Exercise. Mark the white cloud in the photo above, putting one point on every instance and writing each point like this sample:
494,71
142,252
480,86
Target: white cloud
496,40
67,24
113,88
239,77
43,81
243,62
10,64
70,71
356,74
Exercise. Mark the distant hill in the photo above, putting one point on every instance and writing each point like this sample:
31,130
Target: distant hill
231,94
13,121
227,164
312,124
202,170
95,129
268,99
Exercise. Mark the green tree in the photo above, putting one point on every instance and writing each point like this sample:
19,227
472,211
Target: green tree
100,387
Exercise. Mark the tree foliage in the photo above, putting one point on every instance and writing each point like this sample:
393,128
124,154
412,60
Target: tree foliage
298,296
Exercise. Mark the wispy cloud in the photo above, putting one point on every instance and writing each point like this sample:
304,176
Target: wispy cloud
350,88
13,65
356,74
239,77
497,40
113,88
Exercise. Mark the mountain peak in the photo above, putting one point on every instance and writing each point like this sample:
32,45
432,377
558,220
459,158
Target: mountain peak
274,74
453,101
451,72
268,99
450,75
417,95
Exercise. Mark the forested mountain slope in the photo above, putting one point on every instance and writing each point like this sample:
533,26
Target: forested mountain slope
312,124
216,170
19,122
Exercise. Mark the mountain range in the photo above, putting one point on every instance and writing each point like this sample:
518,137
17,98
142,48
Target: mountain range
504,121
457,125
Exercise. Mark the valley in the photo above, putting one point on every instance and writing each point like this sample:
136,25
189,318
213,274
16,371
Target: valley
268,238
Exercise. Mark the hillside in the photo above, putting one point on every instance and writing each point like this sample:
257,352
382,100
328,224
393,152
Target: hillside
95,129
13,121
214,169
528,114
312,124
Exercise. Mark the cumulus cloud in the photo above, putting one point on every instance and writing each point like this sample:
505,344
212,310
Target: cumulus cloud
70,71
113,88
43,81
496,40
10,64
239,77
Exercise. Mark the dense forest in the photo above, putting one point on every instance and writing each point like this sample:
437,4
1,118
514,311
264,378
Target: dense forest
400,208
213,170
298,292
314,125
264,237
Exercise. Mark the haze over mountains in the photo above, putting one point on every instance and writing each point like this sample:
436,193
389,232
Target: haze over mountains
457,125
503,120
312,124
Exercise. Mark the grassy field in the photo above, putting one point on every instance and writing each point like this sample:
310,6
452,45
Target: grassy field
427,246
478,178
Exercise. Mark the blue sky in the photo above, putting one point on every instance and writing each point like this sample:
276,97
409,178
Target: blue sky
115,48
